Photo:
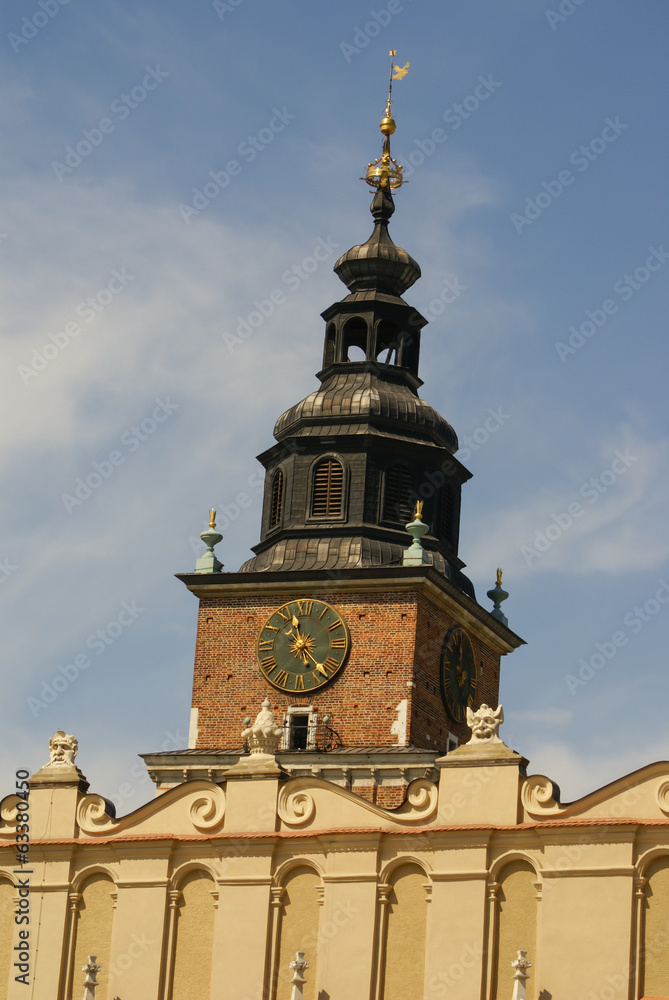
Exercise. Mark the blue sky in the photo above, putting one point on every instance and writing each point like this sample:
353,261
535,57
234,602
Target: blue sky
540,198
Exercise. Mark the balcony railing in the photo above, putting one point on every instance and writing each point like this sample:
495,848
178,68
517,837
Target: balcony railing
318,736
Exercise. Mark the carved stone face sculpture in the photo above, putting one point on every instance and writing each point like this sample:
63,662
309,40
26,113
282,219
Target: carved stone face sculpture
485,724
63,749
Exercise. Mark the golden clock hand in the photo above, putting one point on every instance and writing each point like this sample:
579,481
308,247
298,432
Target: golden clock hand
296,622
319,666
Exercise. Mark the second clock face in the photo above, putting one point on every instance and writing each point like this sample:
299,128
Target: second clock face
302,646
458,673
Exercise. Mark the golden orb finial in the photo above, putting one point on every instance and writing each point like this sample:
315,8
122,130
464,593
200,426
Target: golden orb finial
386,172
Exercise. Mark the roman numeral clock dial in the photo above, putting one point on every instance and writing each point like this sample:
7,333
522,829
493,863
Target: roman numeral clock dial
302,646
458,674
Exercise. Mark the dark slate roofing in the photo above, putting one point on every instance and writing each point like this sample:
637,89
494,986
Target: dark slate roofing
378,264
360,398
335,553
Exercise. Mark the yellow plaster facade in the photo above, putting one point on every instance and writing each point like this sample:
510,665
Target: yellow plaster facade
210,889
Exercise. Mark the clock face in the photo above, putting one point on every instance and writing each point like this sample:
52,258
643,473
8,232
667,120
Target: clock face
302,646
458,673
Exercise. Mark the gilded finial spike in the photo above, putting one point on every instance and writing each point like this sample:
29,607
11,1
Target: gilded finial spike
386,172
418,513
499,577
212,518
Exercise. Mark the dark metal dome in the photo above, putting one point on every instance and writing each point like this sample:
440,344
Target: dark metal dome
378,264
359,396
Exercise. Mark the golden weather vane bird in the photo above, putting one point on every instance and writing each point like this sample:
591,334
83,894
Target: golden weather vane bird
401,71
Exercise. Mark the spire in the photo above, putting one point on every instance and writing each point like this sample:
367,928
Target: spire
385,173
378,265
351,459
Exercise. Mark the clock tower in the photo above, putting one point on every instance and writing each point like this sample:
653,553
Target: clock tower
369,645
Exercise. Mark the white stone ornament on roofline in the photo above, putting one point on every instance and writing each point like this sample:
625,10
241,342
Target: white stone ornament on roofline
520,975
90,982
298,980
484,724
63,749
485,742
60,770
263,738
264,735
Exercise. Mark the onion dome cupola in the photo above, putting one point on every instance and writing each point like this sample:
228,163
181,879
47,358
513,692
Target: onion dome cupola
351,460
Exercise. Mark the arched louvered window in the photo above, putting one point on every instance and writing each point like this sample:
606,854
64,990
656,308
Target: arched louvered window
276,503
328,492
398,502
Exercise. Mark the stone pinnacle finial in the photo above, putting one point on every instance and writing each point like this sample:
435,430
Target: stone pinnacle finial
298,966
497,595
91,982
520,975
416,555
208,563
264,735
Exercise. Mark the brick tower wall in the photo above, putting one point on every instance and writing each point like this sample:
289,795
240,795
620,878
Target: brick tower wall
396,640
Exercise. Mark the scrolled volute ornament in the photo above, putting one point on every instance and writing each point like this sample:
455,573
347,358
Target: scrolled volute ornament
95,814
207,810
540,796
422,798
663,797
295,807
